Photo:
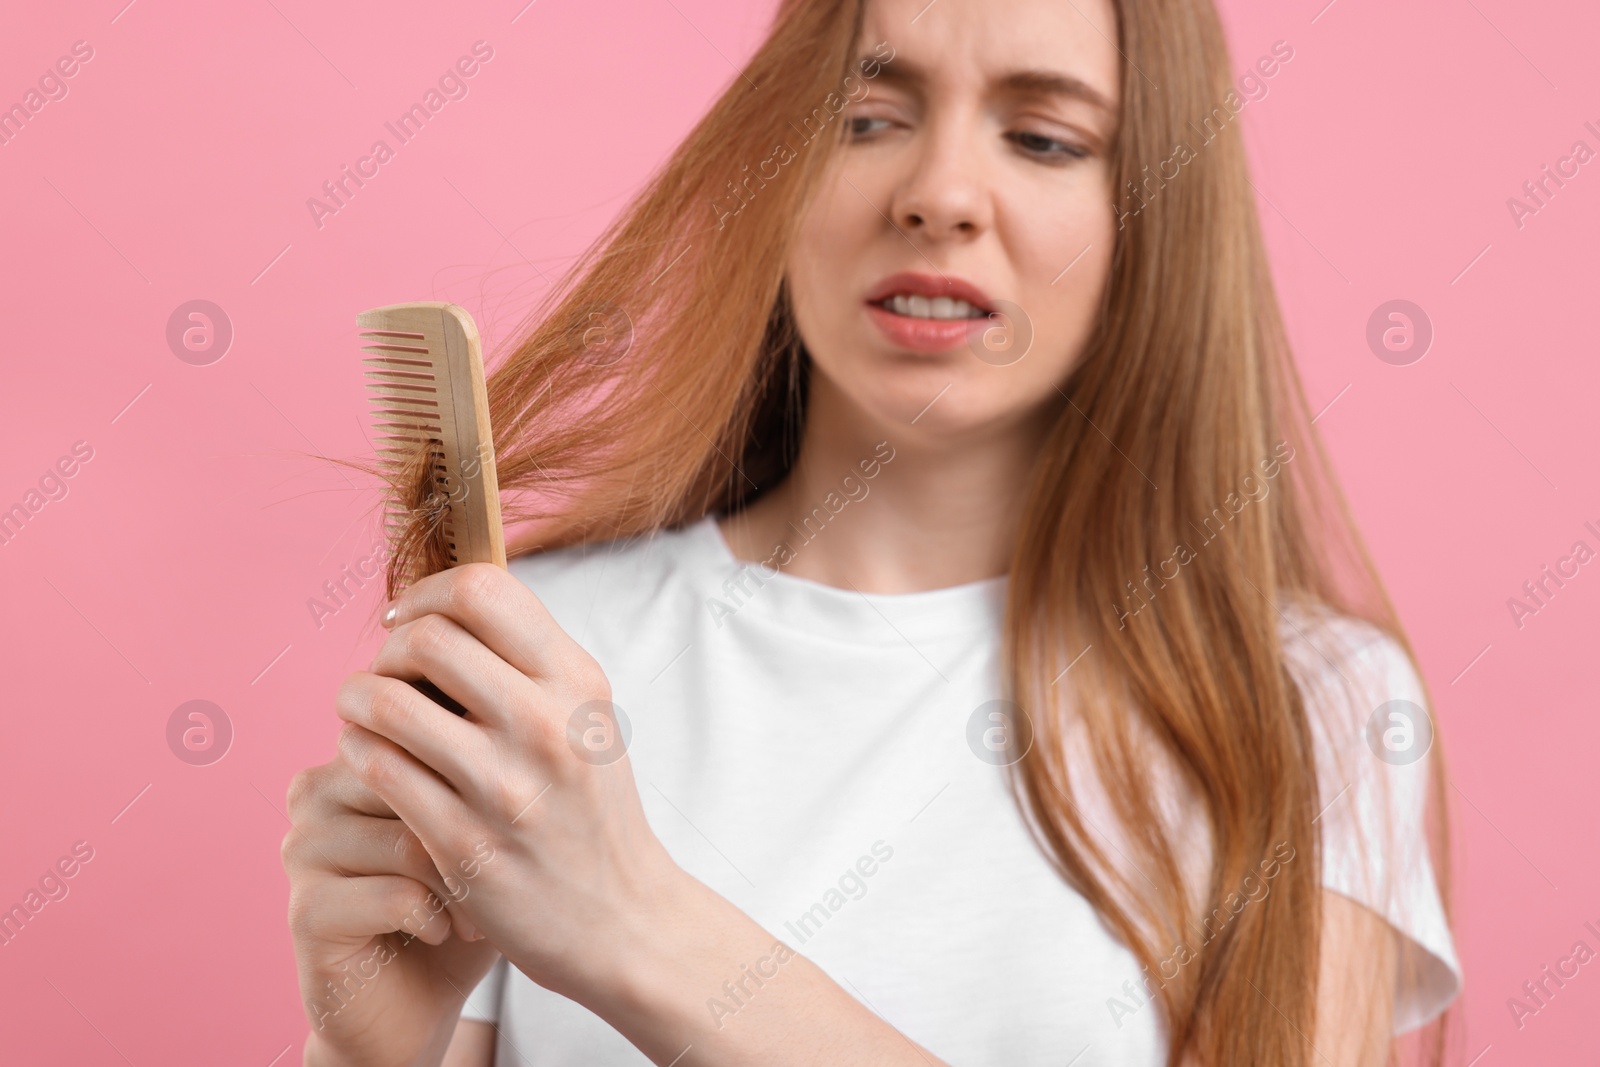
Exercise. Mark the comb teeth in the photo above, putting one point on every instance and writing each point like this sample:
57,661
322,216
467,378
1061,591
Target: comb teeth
424,375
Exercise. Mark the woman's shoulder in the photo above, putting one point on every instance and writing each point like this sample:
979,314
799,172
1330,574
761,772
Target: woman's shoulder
1311,629
1366,705
1373,733
1343,662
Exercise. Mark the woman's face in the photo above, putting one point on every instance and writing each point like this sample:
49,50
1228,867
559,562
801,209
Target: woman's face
976,166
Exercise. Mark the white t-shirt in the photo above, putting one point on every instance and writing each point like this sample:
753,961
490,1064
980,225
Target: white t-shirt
804,751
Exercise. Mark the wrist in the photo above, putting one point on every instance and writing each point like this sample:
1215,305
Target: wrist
673,957
318,1052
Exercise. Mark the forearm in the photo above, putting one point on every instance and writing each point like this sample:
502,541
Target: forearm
706,978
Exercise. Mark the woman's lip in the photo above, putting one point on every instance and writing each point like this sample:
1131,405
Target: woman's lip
929,285
925,335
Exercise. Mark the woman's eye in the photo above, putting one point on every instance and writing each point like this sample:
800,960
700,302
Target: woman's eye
864,126
861,126
1040,145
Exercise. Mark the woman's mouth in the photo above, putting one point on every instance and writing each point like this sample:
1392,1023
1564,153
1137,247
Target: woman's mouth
928,313
917,306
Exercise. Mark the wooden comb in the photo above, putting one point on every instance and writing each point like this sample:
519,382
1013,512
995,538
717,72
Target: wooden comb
426,376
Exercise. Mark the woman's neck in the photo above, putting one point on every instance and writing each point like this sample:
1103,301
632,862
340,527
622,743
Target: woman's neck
891,509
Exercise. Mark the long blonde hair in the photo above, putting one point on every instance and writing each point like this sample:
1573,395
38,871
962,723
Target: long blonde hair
663,379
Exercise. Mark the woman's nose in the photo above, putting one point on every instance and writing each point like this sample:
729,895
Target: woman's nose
944,194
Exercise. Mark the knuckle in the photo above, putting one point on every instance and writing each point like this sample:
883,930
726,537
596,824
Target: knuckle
387,707
347,768
427,638
371,763
407,850
301,787
542,735
598,683
476,582
302,913
349,697
413,905
381,771
586,676
508,799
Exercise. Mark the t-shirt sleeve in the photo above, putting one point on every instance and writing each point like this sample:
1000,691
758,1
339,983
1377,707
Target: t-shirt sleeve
483,1003
1374,734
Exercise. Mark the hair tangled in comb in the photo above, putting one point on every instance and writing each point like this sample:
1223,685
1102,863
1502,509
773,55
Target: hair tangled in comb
415,511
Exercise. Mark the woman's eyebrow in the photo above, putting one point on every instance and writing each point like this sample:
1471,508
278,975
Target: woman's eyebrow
1026,82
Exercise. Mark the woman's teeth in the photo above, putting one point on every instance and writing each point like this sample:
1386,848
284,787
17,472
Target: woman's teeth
938,307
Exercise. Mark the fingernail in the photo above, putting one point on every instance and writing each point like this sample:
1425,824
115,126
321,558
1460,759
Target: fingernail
389,613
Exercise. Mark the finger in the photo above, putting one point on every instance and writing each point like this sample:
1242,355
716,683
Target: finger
440,649
341,827
352,845
332,788
394,709
364,845
497,609
423,800
341,910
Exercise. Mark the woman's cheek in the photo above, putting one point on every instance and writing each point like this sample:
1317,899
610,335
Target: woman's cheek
1063,294
819,259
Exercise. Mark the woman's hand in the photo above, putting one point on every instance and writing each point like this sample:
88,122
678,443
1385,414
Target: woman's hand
381,976
529,801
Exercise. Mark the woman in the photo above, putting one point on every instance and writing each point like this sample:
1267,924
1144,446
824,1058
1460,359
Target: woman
933,544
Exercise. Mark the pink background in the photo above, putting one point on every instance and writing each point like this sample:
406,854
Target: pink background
179,565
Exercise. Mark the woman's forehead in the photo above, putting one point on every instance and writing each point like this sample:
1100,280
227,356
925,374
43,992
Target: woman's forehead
991,40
